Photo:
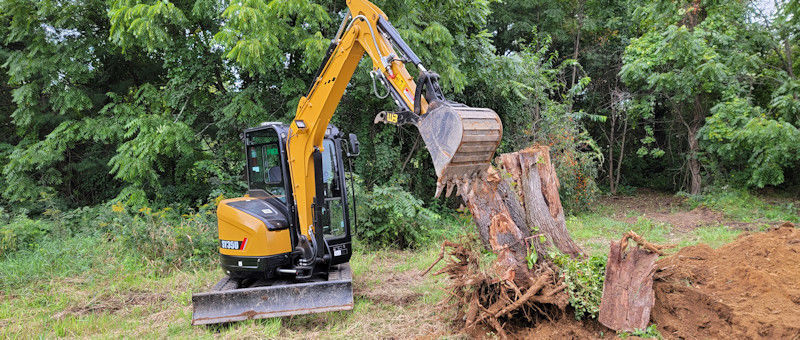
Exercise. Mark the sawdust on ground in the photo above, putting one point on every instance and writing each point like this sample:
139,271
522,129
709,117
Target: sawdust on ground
749,288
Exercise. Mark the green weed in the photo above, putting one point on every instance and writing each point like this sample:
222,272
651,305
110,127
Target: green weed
584,279
714,236
21,233
595,230
651,332
391,216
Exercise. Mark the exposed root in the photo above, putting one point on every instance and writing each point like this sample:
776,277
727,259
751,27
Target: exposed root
445,244
484,299
653,248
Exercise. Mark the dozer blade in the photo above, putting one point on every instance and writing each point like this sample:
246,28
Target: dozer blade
231,305
461,139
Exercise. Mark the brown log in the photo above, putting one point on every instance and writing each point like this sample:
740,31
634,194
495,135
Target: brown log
628,288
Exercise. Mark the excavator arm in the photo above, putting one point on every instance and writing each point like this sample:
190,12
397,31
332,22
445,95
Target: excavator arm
461,139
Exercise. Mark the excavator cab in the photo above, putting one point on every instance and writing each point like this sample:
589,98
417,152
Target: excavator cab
259,233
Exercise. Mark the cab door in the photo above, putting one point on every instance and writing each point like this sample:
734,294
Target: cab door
335,211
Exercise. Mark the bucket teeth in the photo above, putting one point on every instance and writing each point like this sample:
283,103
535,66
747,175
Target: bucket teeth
450,185
439,187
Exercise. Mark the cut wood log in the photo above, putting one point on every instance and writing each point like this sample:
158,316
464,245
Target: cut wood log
628,288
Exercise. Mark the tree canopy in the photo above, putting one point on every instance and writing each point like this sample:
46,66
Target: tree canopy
144,100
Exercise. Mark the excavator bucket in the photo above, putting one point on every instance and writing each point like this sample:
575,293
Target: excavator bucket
227,302
461,140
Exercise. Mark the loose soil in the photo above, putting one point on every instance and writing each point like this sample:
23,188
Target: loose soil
749,288
566,327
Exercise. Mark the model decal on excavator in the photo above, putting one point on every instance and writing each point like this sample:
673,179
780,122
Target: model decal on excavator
237,245
296,178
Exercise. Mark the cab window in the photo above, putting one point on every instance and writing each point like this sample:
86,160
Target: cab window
333,221
264,168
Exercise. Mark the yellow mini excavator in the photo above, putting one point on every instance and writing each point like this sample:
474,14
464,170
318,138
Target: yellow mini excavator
285,246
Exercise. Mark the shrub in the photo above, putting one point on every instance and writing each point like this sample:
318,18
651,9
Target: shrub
21,233
584,279
389,215
164,236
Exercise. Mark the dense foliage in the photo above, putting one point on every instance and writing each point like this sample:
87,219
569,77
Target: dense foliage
141,102
390,216
584,279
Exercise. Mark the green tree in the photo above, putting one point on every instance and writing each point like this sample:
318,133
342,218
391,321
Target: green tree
685,65
752,138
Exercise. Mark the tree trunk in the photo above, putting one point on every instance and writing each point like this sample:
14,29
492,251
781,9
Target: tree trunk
611,139
577,46
694,148
694,164
496,227
538,186
621,154
517,208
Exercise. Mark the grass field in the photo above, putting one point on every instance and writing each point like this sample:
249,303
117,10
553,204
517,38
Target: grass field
87,287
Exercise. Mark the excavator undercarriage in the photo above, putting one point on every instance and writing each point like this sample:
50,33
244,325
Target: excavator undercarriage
234,300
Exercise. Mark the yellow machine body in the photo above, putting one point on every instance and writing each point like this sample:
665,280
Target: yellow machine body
256,239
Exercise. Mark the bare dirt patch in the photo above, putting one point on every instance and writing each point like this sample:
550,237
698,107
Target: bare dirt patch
394,288
662,207
749,288
566,327
112,303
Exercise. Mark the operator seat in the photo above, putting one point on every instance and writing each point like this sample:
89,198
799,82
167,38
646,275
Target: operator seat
274,175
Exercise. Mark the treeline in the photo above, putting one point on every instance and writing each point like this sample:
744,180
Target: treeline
142,102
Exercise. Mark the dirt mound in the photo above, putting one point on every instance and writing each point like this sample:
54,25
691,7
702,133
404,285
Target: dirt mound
749,288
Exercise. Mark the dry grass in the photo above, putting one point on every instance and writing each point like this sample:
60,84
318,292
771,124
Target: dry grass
391,300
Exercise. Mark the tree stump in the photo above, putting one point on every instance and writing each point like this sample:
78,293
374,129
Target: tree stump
497,227
519,217
538,186
628,288
519,207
